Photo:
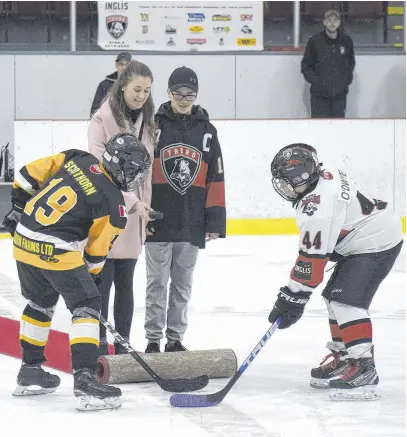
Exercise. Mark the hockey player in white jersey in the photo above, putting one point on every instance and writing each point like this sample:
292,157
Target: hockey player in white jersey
339,223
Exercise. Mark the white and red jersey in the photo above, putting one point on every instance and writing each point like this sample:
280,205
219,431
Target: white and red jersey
336,216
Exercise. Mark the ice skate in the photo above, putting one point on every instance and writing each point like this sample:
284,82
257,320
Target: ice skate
359,383
320,376
93,394
32,379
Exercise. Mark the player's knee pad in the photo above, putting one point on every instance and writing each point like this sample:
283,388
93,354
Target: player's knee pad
48,312
84,332
88,309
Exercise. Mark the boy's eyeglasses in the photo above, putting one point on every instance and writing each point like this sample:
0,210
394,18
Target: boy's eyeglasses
188,97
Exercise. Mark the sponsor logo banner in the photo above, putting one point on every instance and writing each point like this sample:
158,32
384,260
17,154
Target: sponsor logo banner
172,26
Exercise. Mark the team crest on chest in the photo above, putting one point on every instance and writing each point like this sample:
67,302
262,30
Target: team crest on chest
180,164
309,204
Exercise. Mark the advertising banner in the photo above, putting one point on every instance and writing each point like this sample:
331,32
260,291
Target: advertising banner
181,26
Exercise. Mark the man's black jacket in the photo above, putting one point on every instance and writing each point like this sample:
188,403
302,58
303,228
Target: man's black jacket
328,64
102,90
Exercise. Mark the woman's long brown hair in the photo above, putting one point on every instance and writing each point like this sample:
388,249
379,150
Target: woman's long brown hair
118,105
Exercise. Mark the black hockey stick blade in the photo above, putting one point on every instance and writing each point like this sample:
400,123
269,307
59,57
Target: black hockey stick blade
199,401
183,385
172,385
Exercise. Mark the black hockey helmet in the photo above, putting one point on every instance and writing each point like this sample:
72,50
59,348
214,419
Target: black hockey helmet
294,166
126,160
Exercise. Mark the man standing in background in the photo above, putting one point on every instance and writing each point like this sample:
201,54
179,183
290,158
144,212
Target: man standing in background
328,64
103,88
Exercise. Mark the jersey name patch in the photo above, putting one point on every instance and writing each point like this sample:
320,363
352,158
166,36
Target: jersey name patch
80,177
180,164
345,191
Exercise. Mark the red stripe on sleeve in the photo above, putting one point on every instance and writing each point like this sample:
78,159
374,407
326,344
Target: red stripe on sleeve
215,194
200,179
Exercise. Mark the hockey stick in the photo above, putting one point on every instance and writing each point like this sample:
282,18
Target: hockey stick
216,398
174,385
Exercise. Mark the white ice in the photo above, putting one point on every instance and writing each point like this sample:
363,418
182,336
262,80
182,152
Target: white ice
235,285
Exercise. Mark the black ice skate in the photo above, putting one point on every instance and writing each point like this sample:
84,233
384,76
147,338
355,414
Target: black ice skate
320,376
358,383
32,379
152,348
94,395
175,346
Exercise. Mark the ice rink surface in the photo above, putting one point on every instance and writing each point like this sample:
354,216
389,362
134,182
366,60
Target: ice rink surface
235,285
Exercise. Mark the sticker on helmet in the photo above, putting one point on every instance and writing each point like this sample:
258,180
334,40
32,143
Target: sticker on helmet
287,154
120,141
305,176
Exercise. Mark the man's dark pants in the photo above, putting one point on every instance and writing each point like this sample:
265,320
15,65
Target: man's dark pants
328,107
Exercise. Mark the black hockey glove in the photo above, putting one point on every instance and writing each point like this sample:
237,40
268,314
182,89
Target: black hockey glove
13,217
290,306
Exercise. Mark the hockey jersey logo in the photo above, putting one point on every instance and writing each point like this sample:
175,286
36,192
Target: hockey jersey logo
180,164
309,204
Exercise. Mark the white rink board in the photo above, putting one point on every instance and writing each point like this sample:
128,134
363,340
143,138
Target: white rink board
371,151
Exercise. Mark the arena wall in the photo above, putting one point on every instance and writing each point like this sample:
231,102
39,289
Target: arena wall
371,151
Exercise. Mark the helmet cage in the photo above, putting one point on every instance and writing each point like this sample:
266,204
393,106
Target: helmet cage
284,189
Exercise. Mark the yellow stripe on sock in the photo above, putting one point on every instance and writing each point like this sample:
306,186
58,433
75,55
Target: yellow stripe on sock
35,322
84,340
32,341
85,320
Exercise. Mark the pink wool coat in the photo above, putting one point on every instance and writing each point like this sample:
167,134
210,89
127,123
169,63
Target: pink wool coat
102,127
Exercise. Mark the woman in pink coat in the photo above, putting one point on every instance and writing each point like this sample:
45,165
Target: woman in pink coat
129,108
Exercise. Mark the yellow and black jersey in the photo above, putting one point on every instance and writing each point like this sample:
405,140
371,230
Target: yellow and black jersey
69,198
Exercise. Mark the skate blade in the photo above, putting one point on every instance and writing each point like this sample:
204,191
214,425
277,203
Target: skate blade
365,393
319,383
32,390
90,403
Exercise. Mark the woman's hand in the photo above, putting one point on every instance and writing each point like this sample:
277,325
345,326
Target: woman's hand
211,236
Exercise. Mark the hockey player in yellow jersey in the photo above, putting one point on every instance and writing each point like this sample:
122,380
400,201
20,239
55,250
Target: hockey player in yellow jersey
62,204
